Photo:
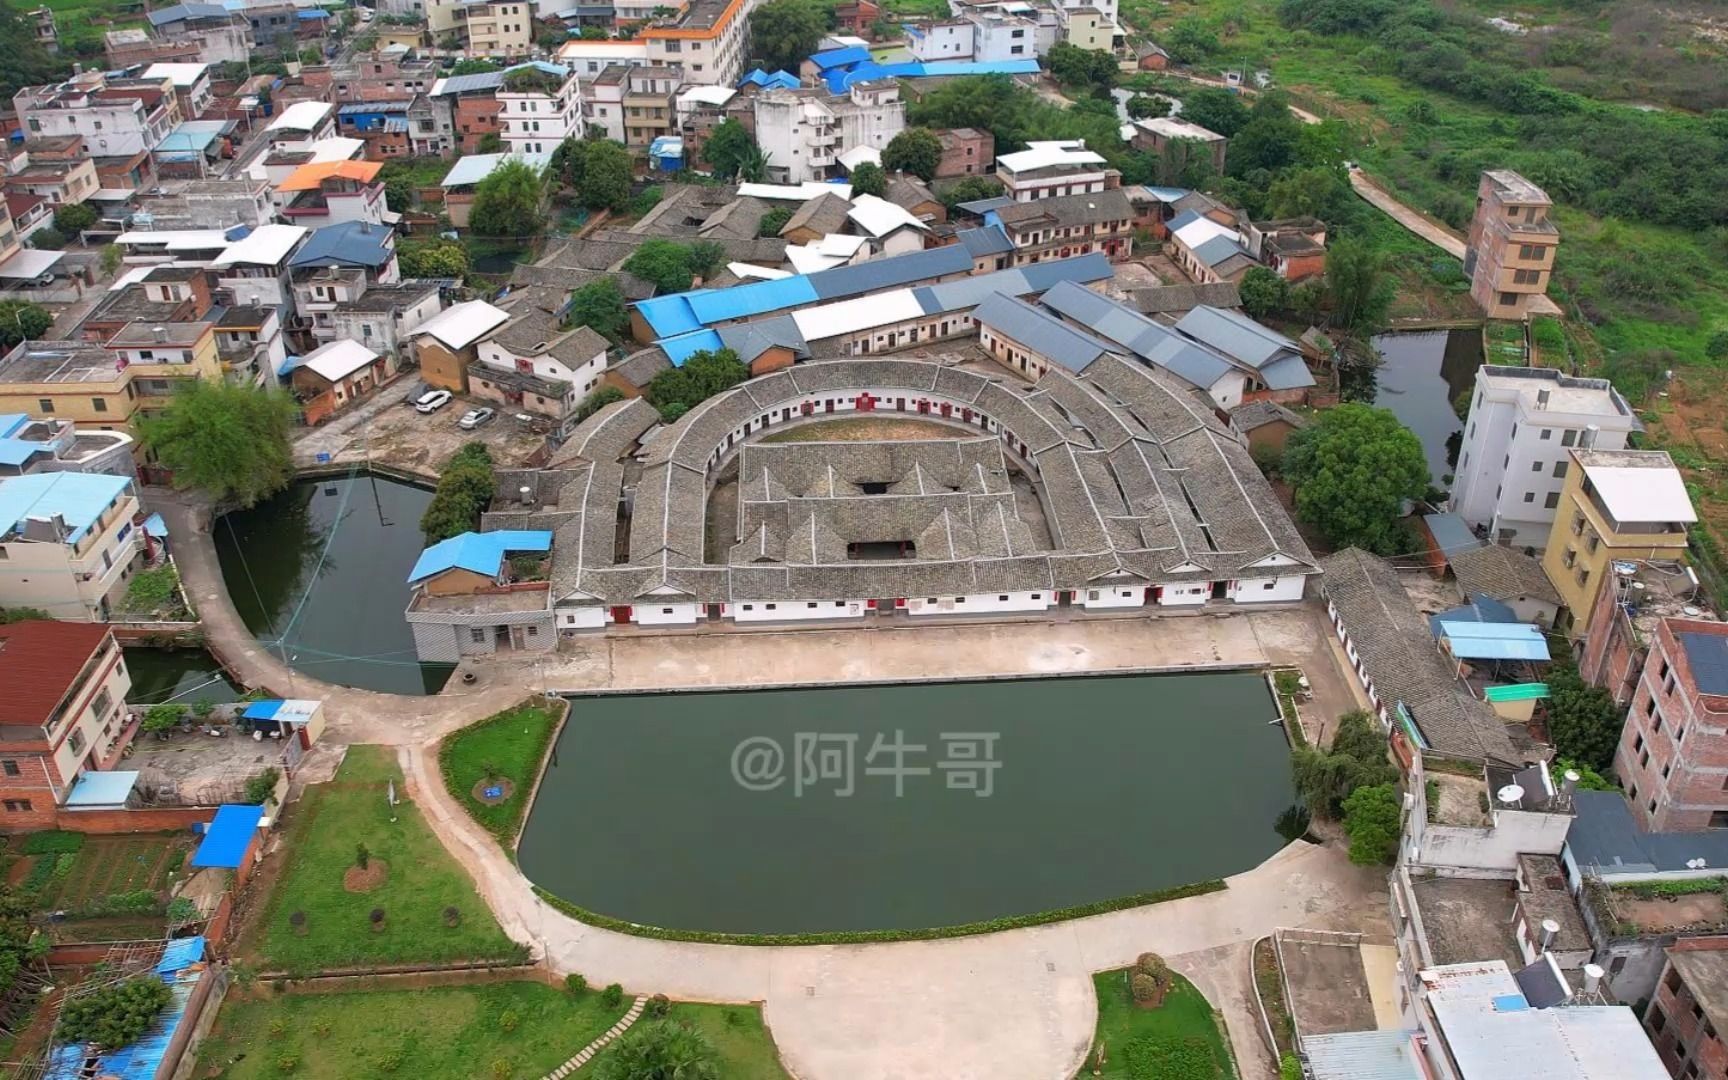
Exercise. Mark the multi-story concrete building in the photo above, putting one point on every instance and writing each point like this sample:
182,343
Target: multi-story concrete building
191,84
1624,619
649,104
120,116
58,182
1513,459
1689,1007
965,152
589,58
1615,506
62,713
1673,752
381,317
333,192
605,102
707,38
803,132
68,542
1070,225
38,446
496,27
539,106
107,386
254,269
1511,248
1047,169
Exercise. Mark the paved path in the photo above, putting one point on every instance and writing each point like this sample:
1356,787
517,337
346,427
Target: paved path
1013,1005
586,1054
1427,228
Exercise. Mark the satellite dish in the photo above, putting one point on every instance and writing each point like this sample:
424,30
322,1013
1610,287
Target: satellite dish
1510,794
1693,611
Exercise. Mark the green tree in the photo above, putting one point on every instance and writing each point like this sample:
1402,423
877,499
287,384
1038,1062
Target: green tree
464,491
1357,757
914,150
770,224
1215,109
970,189
659,1050
706,258
490,143
47,238
475,66
1309,192
727,147
27,62
432,259
784,32
507,203
1371,820
666,263
21,320
1352,470
869,179
73,218
1147,107
226,440
606,176
1359,290
115,1015
1263,292
1091,70
600,305
753,166
1190,41
599,399
1583,720
702,375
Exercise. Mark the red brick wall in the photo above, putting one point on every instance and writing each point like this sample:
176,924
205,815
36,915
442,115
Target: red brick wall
216,928
1609,658
474,117
1678,783
956,161
151,819
1683,1038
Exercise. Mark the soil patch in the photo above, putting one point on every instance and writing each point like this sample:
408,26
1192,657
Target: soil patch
1669,914
358,880
493,792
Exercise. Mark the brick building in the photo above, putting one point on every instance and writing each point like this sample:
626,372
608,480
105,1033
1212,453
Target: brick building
1624,618
61,714
1689,1009
1510,253
965,152
1673,754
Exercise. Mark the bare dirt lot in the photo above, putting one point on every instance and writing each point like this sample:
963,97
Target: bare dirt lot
1328,986
386,430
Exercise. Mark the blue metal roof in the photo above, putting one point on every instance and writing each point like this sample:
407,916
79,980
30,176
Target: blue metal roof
966,292
669,316
1481,609
741,301
164,16
79,498
834,58
1236,335
1217,249
1495,641
18,451
1290,373
11,422
95,789
1452,533
262,710
181,953
347,243
1045,335
840,80
679,349
139,1060
228,836
989,240
481,553
779,80
889,273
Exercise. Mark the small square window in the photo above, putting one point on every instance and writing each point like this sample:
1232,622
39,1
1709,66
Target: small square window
1529,496
9,767
1547,433
1535,466
477,635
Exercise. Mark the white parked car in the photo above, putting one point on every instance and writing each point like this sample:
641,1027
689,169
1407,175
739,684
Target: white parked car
473,418
432,402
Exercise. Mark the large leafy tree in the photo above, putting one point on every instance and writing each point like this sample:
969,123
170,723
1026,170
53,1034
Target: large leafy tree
727,147
915,150
229,441
1263,292
970,189
784,32
1091,70
606,175
1583,720
600,305
666,263
869,179
1216,110
1359,290
21,320
465,489
1352,470
701,376
27,62
1147,107
1357,757
1371,821
659,1050
507,203
116,1015
432,259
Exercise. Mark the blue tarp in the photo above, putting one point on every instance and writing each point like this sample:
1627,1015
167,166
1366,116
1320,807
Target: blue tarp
180,953
95,789
680,348
262,710
228,836
142,1059
1495,641
155,526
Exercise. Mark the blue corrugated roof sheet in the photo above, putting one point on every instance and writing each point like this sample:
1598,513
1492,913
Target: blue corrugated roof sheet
1495,641
1481,609
989,240
181,953
228,836
679,349
1362,1055
262,710
1707,656
481,553
741,301
669,316
834,58
840,80
1452,533
79,498
778,80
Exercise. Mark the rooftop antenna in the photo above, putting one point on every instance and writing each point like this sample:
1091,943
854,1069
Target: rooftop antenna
1511,795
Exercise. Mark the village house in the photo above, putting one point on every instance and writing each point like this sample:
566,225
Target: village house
69,542
965,152
1049,169
29,445
445,344
534,363
336,375
1155,134
1058,227
804,131
539,106
469,599
1510,252
1623,620
1673,753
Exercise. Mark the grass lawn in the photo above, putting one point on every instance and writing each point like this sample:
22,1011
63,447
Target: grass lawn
502,1032
421,882
510,746
1179,1040
737,1032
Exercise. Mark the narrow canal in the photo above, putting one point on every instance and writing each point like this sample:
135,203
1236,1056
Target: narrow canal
790,811
1420,375
319,572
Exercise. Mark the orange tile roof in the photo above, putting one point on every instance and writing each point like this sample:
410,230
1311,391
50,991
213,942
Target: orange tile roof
308,177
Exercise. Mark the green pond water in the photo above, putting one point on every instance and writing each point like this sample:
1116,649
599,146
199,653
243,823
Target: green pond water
1103,787
180,676
322,568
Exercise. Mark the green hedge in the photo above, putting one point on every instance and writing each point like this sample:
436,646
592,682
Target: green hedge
861,937
53,842
1651,890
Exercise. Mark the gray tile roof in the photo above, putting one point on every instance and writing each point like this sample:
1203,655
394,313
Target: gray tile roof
640,367
1045,335
1399,655
1502,573
1163,299
1256,414
825,214
1066,211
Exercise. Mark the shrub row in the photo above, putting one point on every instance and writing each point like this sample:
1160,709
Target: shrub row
53,842
860,937
1651,890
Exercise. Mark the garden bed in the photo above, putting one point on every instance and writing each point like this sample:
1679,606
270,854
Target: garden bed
500,754
431,913
1269,982
745,1047
1181,1039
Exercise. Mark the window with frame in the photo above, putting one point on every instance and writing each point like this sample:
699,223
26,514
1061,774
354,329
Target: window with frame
477,635
9,767
17,805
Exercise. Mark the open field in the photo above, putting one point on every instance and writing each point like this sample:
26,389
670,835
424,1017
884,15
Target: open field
502,751
431,912
1179,1038
504,1031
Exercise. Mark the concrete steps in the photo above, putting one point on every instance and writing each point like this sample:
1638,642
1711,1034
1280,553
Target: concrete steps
586,1054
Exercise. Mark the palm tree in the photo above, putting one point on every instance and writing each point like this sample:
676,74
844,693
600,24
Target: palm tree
753,165
659,1050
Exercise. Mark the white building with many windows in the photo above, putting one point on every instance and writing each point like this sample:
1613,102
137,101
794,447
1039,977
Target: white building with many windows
68,542
1513,460
539,106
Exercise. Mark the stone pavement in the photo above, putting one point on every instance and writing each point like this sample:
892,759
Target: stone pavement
586,1054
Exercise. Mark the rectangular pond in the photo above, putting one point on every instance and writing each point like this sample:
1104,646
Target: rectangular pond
1099,787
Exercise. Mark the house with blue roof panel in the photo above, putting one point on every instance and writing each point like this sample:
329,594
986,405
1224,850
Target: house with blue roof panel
68,541
480,593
